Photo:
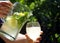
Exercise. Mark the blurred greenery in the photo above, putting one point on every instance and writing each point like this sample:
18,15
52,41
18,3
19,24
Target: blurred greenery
48,14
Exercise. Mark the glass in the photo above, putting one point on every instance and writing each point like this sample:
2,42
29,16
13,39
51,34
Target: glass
33,30
13,23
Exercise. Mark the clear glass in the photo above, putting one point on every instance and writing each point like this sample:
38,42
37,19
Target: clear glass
33,30
9,28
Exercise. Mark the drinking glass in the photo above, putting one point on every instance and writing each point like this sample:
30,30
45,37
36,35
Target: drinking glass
33,30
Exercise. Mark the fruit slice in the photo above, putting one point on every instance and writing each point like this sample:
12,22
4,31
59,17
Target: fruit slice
11,22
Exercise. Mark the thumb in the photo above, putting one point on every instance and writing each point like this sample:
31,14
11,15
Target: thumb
29,40
28,37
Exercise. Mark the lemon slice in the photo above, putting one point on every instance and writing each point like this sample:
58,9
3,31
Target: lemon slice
11,22
21,14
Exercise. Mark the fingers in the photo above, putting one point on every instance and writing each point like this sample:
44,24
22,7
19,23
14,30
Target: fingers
2,8
29,40
37,40
28,37
41,32
6,4
5,8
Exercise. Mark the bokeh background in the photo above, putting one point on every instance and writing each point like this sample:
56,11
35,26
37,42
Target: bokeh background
48,14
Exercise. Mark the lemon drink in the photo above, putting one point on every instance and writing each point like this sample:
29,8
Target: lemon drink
13,25
33,30
10,27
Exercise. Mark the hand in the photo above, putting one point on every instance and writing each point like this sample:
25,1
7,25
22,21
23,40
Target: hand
22,39
29,40
5,8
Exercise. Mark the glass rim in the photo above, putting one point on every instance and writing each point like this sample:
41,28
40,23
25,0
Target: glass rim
29,24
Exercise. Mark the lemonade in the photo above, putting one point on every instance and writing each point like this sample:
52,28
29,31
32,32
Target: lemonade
10,27
13,25
11,22
33,32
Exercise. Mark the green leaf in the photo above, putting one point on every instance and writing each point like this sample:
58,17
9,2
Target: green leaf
33,19
32,5
59,39
22,1
56,35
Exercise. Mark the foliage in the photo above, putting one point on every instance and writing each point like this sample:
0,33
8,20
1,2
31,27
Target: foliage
48,14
